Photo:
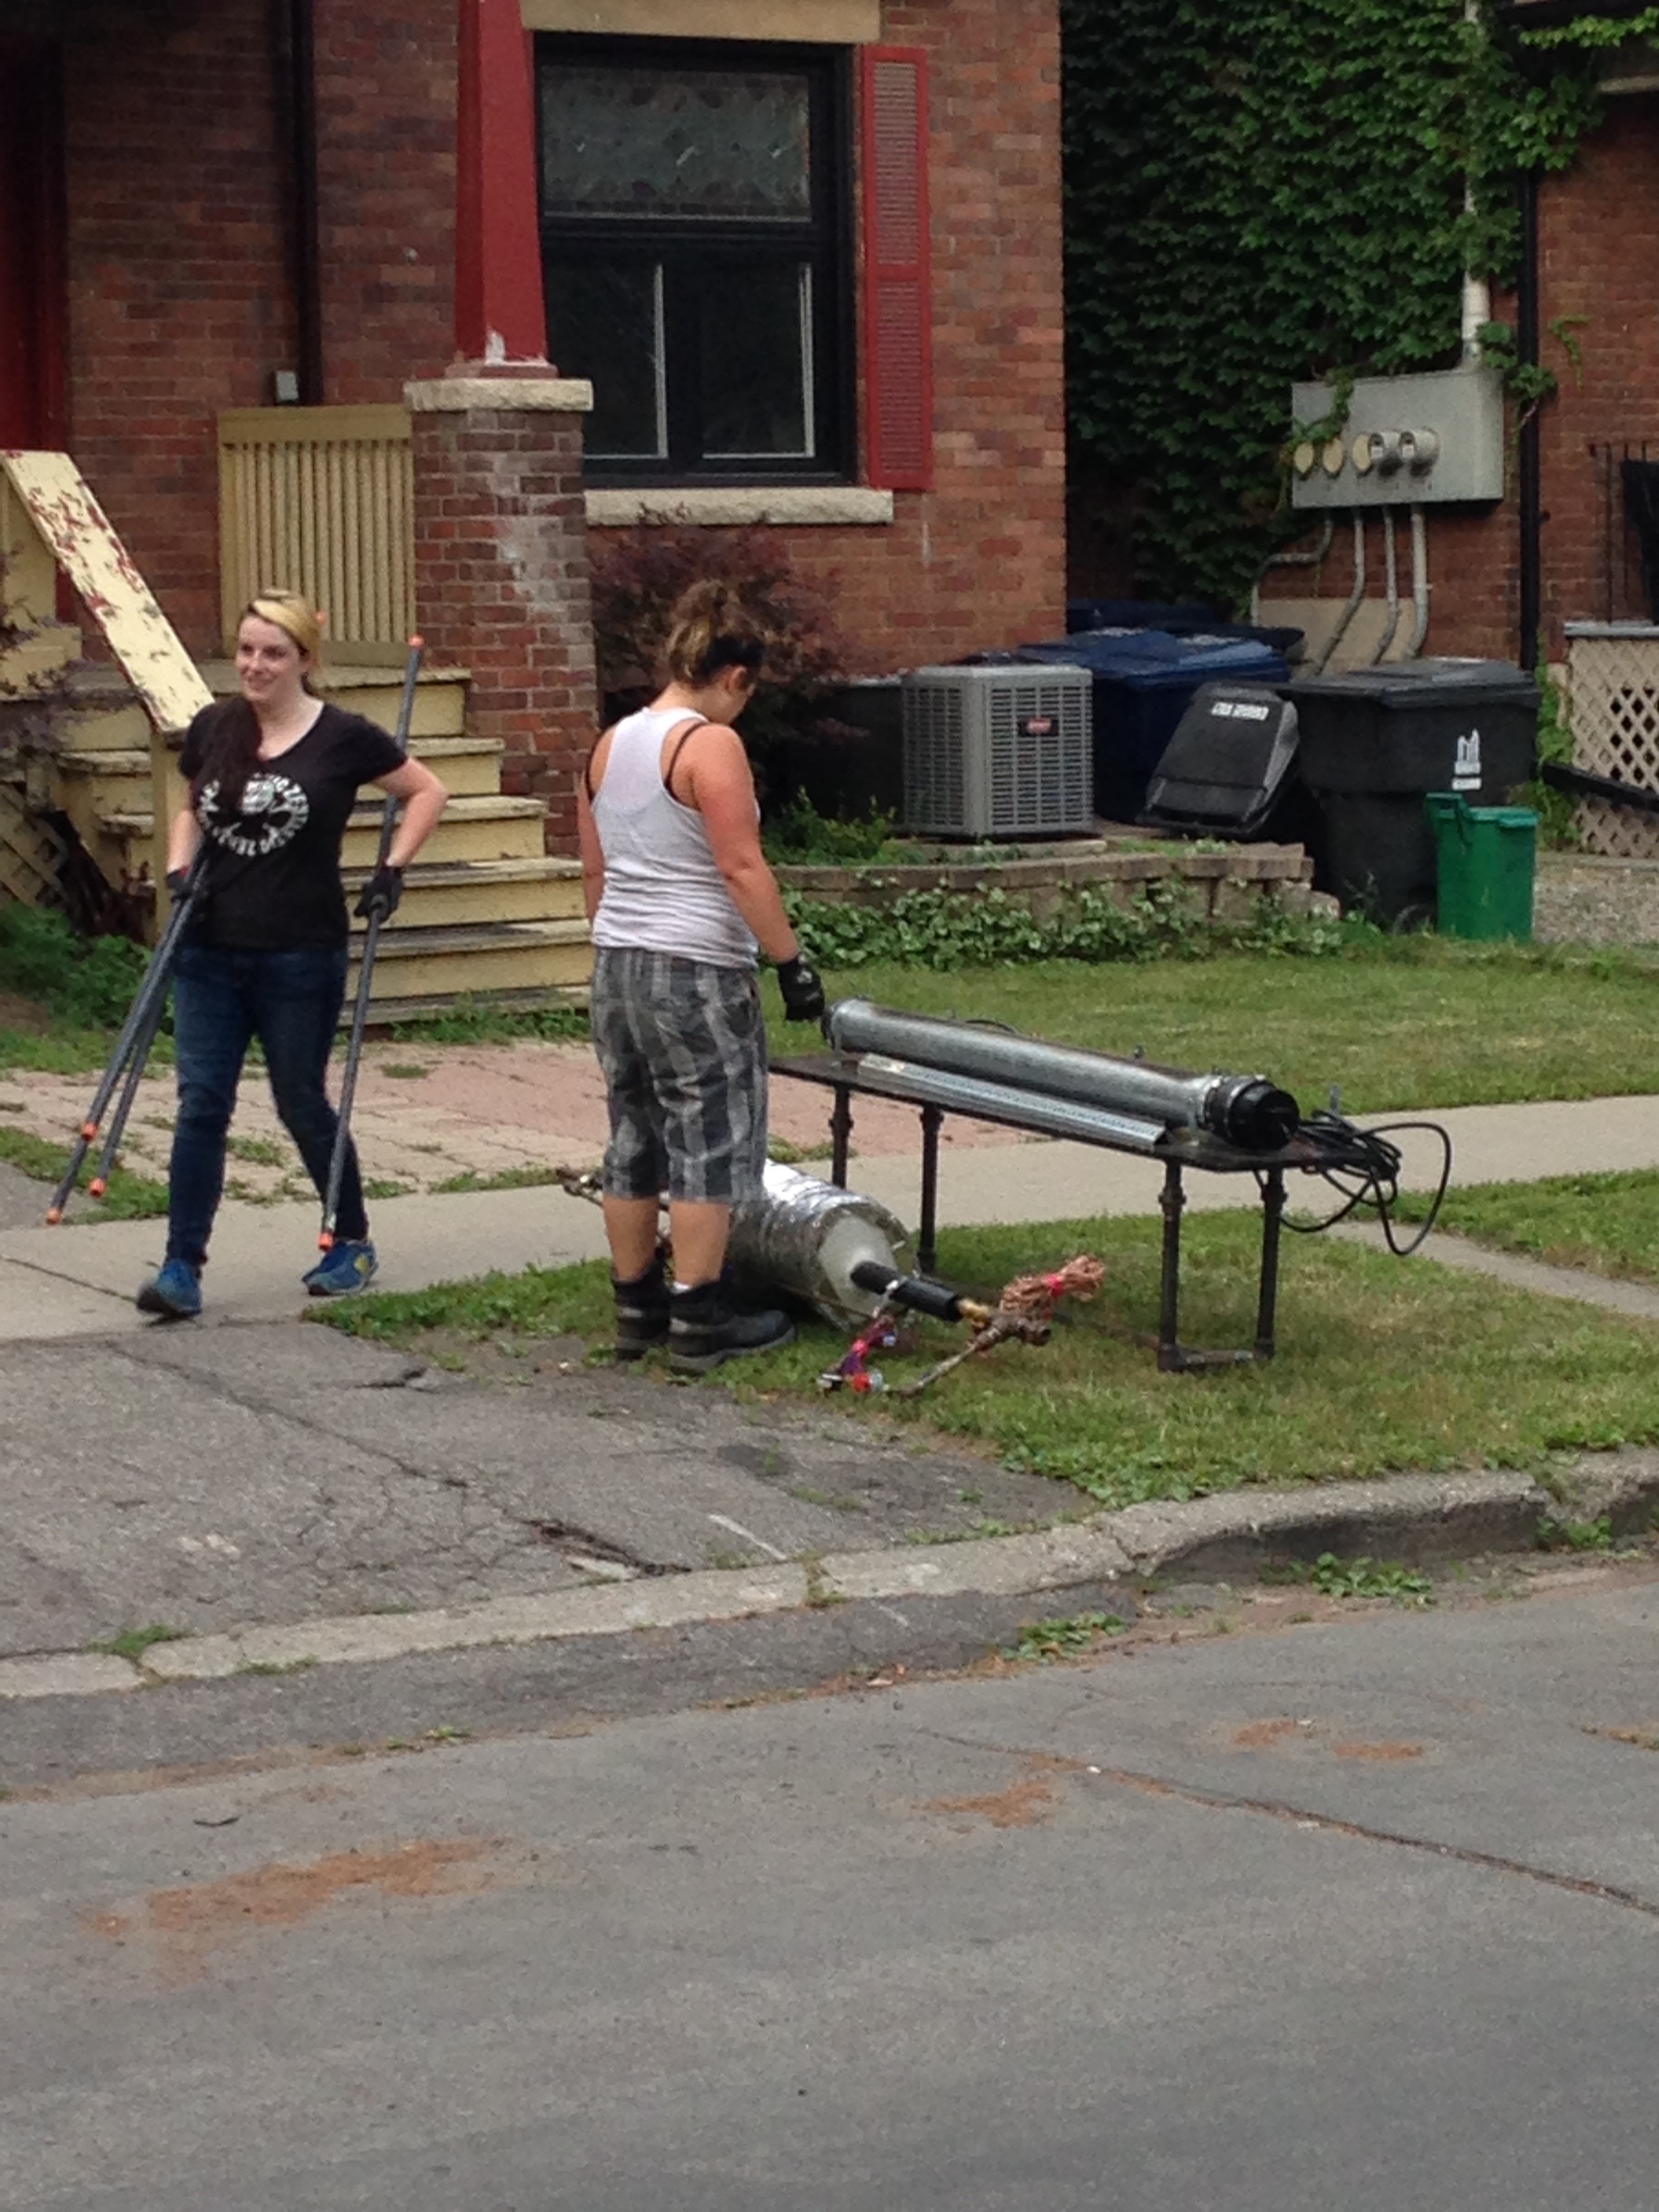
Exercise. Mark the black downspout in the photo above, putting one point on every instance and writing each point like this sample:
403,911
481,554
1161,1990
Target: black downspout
306,234
1527,458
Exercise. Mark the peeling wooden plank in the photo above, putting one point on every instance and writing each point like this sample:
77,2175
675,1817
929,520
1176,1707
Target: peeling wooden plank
60,504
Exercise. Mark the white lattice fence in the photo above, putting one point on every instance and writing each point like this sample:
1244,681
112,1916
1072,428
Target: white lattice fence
1613,682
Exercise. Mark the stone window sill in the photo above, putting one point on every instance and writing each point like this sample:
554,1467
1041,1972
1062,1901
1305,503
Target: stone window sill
715,504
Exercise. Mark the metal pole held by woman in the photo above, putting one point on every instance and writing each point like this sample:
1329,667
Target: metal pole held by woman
375,906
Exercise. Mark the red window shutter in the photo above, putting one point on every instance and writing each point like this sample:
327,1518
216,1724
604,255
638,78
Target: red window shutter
898,373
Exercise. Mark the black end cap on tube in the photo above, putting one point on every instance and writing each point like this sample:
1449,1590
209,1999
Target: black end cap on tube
1257,1116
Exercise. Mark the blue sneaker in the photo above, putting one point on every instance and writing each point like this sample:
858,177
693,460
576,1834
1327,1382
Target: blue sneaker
174,1292
344,1268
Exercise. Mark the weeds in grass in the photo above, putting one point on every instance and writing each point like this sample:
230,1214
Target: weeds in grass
469,1023
88,980
1360,1577
1605,1225
1385,1019
1045,1641
404,1070
386,1187
793,1156
528,1177
261,1151
277,1666
798,835
1381,1367
1576,1535
129,1198
133,1642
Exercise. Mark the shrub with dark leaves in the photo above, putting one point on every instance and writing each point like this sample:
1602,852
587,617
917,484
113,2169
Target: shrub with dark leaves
639,572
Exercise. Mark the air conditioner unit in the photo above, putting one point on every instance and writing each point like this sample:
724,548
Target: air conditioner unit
998,752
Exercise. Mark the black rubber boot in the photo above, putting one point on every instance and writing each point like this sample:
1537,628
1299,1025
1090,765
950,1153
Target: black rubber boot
641,1312
705,1331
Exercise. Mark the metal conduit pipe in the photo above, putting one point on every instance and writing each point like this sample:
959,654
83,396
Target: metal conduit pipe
1350,607
1246,1110
1419,584
1292,560
1391,586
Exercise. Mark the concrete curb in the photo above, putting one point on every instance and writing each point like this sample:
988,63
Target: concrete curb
1415,1517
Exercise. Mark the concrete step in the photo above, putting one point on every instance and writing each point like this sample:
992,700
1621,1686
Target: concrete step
376,691
113,779
456,892
38,662
487,828
481,958
484,828
531,1000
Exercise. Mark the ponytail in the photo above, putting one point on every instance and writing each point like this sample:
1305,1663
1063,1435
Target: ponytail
710,630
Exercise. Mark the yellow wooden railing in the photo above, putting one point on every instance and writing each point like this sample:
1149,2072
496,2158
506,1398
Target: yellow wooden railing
320,499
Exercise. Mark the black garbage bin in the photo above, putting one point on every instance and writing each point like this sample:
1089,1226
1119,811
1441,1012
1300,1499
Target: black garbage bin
1376,741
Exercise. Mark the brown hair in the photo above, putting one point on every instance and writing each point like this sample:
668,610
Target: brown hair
709,628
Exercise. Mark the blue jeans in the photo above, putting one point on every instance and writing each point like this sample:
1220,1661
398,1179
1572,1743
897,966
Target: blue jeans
222,999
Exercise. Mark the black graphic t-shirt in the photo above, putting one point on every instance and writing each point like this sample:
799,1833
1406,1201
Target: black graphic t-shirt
273,869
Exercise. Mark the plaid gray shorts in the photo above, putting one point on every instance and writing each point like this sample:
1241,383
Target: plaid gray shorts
683,1048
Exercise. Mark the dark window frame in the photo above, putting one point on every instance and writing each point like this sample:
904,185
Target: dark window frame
826,242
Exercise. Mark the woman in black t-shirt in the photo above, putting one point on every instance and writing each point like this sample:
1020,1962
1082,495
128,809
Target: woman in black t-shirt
273,776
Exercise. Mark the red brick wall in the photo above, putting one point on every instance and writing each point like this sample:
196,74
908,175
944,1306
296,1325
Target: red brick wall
979,560
501,586
179,303
181,298
386,158
1598,262
180,245
1599,259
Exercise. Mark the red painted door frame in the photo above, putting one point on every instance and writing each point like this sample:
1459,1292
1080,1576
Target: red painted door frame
33,292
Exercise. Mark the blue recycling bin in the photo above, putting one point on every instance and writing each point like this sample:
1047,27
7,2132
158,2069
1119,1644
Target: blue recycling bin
1181,618
1145,680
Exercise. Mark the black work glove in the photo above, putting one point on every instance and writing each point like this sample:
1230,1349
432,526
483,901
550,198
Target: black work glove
380,894
178,884
803,992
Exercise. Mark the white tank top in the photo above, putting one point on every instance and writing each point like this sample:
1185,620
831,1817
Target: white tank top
663,892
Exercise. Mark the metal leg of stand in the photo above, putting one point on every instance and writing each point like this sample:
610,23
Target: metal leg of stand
1172,1201
932,1116
841,1135
1273,1211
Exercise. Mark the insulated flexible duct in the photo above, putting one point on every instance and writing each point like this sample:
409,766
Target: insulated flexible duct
1244,1110
808,1238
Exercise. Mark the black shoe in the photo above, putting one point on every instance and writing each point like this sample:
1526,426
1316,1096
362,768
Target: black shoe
704,1331
641,1312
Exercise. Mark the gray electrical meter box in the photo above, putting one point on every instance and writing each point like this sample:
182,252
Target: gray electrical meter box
1408,440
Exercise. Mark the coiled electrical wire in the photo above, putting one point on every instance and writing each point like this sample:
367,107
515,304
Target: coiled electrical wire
1363,1167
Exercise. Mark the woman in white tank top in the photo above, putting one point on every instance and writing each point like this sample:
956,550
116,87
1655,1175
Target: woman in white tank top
681,900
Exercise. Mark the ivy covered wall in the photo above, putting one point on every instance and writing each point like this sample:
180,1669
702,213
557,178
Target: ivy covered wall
1262,191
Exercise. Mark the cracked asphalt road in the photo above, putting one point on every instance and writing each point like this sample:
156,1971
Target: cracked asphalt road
211,1478
1355,1916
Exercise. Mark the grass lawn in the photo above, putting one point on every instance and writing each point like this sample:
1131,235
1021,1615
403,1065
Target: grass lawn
129,1198
1405,1024
1607,1224
1398,1024
1383,1364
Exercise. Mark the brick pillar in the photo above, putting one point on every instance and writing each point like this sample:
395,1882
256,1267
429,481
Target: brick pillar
501,569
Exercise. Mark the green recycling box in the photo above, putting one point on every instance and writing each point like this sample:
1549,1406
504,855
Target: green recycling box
1486,859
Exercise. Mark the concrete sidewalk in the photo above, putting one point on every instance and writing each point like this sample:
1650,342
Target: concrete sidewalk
78,1279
